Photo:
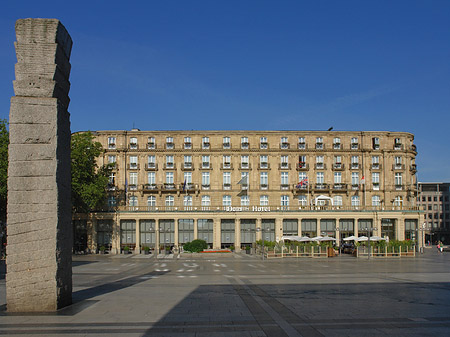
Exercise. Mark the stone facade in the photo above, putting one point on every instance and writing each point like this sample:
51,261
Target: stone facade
39,276
169,187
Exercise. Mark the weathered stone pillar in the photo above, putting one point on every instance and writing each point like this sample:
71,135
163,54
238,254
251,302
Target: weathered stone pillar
39,251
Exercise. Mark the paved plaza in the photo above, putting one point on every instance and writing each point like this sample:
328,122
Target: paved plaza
241,295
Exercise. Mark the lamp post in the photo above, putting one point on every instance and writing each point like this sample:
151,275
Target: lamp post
370,231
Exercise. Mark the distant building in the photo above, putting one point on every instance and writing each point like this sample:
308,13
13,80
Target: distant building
434,198
232,188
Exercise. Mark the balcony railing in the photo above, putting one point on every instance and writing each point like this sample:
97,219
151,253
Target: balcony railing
355,166
188,166
151,167
244,166
263,145
398,146
226,166
263,166
284,146
321,187
398,167
302,166
133,166
375,166
169,166
338,166
226,145
245,145
151,145
284,166
340,187
320,166
170,146
302,146
188,145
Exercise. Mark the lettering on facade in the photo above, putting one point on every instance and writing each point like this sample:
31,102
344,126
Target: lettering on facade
247,209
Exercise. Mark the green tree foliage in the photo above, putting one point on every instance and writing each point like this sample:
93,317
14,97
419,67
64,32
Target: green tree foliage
89,182
196,246
4,141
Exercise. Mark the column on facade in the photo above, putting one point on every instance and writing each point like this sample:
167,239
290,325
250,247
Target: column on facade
157,245
175,239
137,249
217,241
355,227
299,227
115,242
400,228
237,235
278,229
91,226
196,229
261,229
337,230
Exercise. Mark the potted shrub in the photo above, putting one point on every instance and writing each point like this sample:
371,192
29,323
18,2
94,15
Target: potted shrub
145,249
247,249
102,249
232,248
126,250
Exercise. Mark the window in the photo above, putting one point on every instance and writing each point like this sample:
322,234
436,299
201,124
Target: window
244,143
355,162
205,180
169,162
169,201
319,143
187,178
264,180
397,144
205,162
205,143
375,143
302,177
133,162
133,143
244,179
337,177
111,201
151,178
244,162
111,142
187,200
336,143
319,178
302,200
284,200
226,143
376,200
301,143
133,180
263,162
397,162
319,162
169,143
169,177
226,200
355,201
151,201
206,201
398,201
337,162
376,162
302,161
376,181
245,200
227,180
284,162
398,179
187,162
355,179
284,180
337,200
112,180
151,143
111,159
226,162
263,143
354,143
151,161
133,201
284,143
187,143
264,200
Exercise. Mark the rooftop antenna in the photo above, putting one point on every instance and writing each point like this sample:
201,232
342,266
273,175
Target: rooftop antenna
330,129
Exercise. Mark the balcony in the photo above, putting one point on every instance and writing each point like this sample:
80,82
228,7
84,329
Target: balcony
398,146
355,187
355,166
168,187
133,166
376,186
226,145
151,167
264,186
284,186
302,146
413,168
320,146
340,187
321,187
245,145
244,187
284,146
375,166
150,188
227,186
169,166
226,166
151,145
354,146
398,167
170,146
336,146
132,187
206,165
263,145
399,187
376,146
263,166
284,166
338,167
302,166
112,146
320,166
206,145
111,187
244,166
133,146
188,166
413,148
187,145
206,186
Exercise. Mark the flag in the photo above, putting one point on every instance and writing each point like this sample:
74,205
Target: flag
363,180
184,185
303,182
126,185
243,181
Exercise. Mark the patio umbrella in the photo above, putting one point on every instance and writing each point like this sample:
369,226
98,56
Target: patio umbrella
362,238
377,238
350,238
305,239
327,238
316,238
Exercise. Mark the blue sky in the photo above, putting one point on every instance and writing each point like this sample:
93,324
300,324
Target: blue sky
258,65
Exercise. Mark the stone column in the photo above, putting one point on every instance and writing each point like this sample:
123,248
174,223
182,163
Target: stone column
137,249
39,251
237,235
217,234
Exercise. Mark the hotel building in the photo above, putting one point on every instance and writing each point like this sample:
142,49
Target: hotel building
232,188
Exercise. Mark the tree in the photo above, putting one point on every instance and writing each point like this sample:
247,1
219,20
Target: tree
4,142
89,182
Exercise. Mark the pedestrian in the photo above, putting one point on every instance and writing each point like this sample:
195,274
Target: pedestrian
439,247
